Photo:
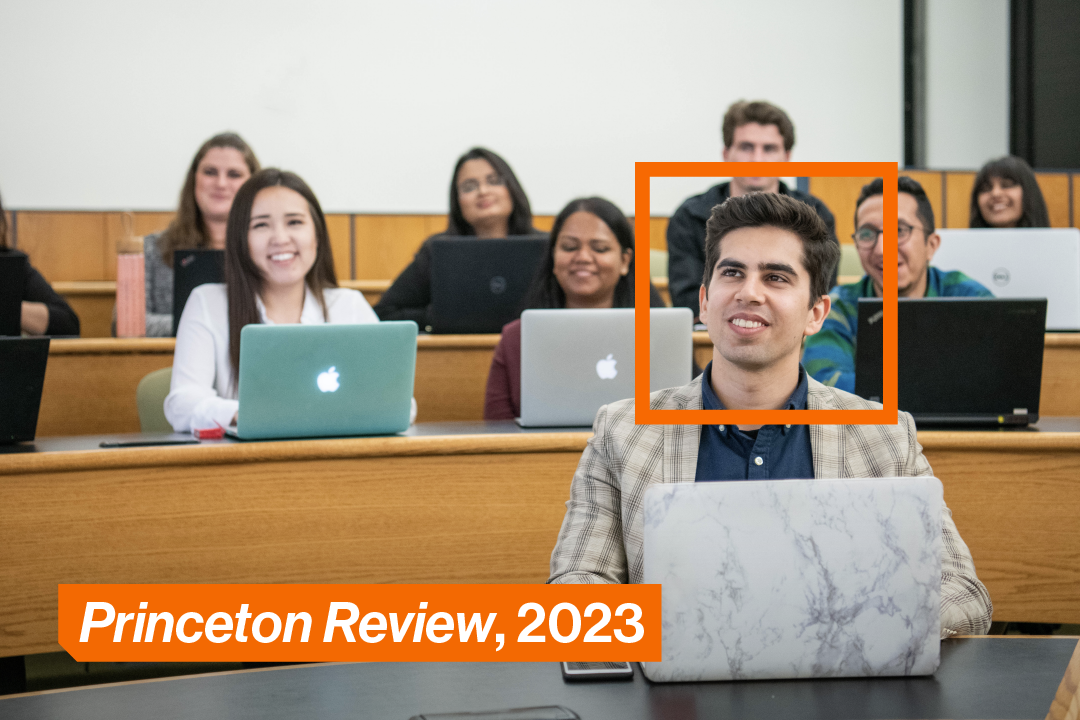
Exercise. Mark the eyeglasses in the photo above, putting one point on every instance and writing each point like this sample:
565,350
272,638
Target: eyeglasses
866,236
472,185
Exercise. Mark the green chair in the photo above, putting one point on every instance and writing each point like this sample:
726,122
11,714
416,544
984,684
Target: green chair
150,397
850,265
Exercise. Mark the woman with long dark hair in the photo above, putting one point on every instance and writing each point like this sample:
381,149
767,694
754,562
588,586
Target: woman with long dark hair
589,264
1006,195
219,168
279,269
486,201
43,310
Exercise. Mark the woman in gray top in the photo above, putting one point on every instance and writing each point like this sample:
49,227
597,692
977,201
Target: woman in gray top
218,170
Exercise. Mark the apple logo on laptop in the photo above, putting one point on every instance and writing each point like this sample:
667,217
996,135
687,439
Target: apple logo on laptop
606,368
328,381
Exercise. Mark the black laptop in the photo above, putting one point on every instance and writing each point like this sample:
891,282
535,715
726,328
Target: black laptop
12,287
22,375
962,361
192,268
477,286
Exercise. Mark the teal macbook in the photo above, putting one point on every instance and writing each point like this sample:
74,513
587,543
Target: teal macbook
325,380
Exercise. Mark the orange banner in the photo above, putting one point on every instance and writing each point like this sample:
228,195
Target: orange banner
279,623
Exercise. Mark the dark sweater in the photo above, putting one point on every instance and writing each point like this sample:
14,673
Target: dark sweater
62,319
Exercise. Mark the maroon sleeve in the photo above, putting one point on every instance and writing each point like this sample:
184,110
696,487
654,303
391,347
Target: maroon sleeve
502,399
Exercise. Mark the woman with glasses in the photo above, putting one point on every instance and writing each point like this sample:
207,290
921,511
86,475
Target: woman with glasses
1006,195
829,355
486,201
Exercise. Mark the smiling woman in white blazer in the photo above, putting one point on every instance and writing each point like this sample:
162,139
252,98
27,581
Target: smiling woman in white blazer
278,269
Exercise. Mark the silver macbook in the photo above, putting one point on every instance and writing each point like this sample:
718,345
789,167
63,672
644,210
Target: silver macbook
773,579
325,380
1021,263
575,361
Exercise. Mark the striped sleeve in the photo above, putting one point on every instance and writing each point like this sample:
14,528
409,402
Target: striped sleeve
829,354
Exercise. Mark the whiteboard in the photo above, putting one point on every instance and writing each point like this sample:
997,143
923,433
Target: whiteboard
104,103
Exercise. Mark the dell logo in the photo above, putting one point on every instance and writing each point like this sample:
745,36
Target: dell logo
328,381
497,285
875,317
1001,277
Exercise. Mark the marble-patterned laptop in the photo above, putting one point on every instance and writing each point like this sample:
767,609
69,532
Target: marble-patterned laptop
772,579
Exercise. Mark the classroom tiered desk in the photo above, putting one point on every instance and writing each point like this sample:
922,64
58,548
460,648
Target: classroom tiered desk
450,502
90,383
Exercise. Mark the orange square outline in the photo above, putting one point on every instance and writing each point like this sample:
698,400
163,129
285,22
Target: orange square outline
644,172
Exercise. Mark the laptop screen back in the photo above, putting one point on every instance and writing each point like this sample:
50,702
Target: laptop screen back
326,380
770,579
477,286
22,377
12,288
961,360
1021,263
192,268
575,361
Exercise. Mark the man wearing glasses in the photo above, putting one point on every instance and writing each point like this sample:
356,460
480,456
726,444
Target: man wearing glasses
829,356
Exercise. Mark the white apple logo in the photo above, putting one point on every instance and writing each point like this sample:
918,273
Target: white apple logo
606,368
328,381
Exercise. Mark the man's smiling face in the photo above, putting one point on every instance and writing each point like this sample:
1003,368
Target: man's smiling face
757,307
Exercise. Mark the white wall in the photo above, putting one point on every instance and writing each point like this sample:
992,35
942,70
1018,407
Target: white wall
103,103
967,82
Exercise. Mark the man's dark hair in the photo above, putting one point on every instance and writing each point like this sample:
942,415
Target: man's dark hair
905,185
1016,169
743,113
820,252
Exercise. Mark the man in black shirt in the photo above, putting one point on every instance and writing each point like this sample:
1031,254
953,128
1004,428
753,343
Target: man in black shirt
752,132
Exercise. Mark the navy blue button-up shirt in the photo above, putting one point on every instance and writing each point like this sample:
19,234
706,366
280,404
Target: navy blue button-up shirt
777,452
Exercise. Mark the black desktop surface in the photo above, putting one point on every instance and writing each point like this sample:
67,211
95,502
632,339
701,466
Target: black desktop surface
1002,677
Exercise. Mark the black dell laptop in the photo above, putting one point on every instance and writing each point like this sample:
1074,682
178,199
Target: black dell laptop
477,286
192,268
12,287
962,361
22,376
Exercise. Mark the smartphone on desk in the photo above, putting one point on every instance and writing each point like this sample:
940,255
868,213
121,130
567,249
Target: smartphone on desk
575,671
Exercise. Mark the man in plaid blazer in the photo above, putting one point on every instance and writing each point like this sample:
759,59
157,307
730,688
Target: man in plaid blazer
775,255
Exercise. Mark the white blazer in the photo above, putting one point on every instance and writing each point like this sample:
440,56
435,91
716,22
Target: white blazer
203,392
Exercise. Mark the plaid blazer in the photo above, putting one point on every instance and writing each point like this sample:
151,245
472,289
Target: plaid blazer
601,536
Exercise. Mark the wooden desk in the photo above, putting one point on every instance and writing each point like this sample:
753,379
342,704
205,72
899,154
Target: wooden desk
459,502
981,677
90,383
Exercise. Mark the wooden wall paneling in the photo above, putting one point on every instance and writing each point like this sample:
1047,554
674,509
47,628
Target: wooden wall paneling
657,233
933,184
840,195
1074,183
1055,190
93,302
1060,394
543,222
385,244
958,186
67,245
451,378
88,391
1016,510
468,518
338,227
